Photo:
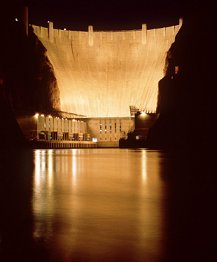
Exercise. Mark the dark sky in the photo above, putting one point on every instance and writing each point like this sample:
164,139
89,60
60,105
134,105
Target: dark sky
105,14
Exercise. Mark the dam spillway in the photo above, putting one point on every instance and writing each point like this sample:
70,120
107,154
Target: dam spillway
102,73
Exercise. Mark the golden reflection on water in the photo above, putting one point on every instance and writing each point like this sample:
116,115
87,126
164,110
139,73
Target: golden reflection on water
99,203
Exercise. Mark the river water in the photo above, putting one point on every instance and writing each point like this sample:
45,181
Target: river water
107,205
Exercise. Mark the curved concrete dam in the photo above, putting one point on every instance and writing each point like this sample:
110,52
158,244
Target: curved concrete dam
101,74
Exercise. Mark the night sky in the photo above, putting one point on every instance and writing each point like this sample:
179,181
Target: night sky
106,15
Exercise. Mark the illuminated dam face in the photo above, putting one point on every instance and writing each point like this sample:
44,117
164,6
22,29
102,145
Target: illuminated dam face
101,74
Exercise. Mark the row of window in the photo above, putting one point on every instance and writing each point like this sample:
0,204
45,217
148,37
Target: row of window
108,128
108,139
61,124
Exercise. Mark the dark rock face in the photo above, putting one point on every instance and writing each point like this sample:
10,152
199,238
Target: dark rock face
10,132
27,81
188,93
28,74
43,82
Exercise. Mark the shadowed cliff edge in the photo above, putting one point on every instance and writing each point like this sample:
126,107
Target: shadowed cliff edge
27,81
187,100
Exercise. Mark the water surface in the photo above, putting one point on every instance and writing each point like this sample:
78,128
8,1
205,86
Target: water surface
99,203
107,205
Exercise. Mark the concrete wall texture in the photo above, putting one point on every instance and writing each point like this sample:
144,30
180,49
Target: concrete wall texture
101,74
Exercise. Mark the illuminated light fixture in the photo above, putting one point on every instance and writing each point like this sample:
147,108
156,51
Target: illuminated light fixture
50,116
64,29
94,139
143,114
16,19
36,115
42,115
48,22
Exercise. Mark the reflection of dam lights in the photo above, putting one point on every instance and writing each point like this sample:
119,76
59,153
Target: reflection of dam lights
50,167
74,166
40,166
37,168
144,166
43,163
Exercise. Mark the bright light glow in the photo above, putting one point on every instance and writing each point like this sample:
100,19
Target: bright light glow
36,115
42,115
143,114
16,19
144,166
37,177
64,29
94,139
50,168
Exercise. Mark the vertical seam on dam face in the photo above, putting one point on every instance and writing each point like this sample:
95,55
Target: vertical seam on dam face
102,74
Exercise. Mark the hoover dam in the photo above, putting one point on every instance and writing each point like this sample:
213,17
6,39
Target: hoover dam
100,74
